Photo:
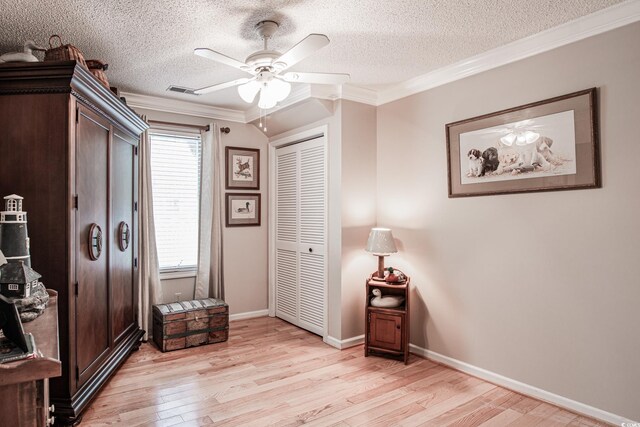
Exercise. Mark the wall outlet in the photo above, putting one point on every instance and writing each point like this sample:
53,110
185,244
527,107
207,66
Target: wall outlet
178,295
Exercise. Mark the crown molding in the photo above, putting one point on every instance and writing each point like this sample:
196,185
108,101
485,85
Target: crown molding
359,94
298,94
330,92
349,92
590,25
176,106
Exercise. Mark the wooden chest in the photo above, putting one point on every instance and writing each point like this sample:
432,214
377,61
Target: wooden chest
190,323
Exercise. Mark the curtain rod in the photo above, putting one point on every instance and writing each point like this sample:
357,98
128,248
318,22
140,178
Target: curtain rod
184,125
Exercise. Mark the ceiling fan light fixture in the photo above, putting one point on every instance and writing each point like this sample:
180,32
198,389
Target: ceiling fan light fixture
272,92
267,100
280,89
248,91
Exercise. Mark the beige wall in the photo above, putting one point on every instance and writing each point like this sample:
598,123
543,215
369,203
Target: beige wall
358,195
245,248
541,287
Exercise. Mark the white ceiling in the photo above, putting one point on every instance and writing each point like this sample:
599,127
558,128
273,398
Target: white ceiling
149,43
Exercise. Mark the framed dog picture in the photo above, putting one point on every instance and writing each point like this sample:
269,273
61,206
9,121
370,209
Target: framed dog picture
543,146
243,209
242,168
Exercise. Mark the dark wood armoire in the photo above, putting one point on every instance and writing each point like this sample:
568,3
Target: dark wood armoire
68,145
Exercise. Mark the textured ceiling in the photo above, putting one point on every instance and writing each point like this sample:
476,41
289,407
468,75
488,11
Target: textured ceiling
149,43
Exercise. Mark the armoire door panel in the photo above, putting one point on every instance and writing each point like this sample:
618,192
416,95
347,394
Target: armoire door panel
122,254
92,300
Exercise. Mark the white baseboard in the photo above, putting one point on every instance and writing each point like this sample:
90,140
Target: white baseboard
520,387
248,315
342,344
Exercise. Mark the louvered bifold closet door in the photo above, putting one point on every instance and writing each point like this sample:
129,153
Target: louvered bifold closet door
287,234
312,235
301,234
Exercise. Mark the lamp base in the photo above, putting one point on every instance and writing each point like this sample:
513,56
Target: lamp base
375,277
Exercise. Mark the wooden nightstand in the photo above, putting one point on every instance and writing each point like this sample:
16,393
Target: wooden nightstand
387,329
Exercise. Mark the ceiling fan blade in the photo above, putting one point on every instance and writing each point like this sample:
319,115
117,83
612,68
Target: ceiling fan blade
221,86
320,78
304,48
223,59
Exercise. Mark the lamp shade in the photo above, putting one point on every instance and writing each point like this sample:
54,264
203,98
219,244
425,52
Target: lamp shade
381,242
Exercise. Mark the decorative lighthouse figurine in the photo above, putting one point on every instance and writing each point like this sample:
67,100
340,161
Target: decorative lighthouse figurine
14,240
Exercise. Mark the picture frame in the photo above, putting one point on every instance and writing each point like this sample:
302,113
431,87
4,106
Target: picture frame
242,168
243,209
547,145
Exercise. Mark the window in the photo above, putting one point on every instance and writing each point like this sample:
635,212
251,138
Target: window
175,169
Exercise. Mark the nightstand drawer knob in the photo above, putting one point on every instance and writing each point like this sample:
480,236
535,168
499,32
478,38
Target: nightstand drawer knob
398,327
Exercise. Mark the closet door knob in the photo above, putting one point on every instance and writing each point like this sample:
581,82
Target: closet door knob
310,249
95,241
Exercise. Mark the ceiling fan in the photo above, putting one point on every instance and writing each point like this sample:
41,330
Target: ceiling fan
267,68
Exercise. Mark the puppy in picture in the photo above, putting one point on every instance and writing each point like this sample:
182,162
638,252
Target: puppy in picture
529,156
490,160
475,162
508,158
544,147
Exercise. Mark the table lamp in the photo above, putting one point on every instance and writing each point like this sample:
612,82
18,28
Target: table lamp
381,244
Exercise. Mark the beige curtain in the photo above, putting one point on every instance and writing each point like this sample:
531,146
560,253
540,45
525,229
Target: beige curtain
149,288
210,278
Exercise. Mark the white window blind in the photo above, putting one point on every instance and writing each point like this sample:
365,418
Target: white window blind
175,169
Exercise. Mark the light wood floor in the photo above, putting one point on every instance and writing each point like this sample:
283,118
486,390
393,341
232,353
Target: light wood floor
272,373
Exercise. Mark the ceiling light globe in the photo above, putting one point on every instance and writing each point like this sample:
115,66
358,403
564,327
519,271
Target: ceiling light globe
248,91
281,89
267,98
272,92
